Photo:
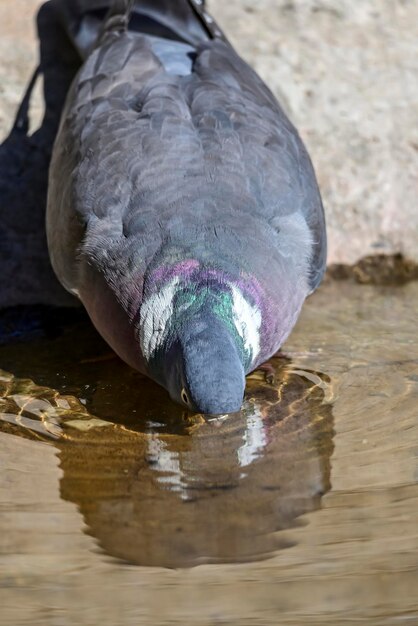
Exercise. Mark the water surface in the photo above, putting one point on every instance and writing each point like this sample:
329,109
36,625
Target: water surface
118,507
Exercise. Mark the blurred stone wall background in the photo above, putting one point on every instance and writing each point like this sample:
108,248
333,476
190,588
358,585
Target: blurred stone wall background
347,74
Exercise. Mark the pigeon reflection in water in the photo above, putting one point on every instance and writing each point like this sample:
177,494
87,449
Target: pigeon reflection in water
218,491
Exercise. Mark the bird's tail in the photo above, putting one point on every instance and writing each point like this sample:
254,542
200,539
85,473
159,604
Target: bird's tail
85,21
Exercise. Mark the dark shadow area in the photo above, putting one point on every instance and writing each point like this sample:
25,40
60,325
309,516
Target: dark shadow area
27,276
27,322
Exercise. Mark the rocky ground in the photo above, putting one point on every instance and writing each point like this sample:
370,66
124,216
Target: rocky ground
346,72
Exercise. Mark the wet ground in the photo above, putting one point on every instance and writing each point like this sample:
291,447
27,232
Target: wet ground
116,507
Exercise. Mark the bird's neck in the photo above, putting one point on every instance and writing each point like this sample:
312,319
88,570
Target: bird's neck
178,295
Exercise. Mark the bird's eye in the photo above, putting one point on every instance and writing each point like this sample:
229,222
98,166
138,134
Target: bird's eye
184,396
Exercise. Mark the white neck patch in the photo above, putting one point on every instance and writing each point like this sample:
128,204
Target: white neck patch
154,317
247,320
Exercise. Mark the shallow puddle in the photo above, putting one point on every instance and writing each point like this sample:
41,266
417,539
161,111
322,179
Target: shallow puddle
117,507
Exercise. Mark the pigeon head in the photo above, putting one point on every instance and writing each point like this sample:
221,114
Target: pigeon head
203,369
199,337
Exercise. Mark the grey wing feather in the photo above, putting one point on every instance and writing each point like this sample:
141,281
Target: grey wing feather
89,186
277,164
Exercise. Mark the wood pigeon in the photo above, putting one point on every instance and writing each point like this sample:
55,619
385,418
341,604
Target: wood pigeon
183,208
